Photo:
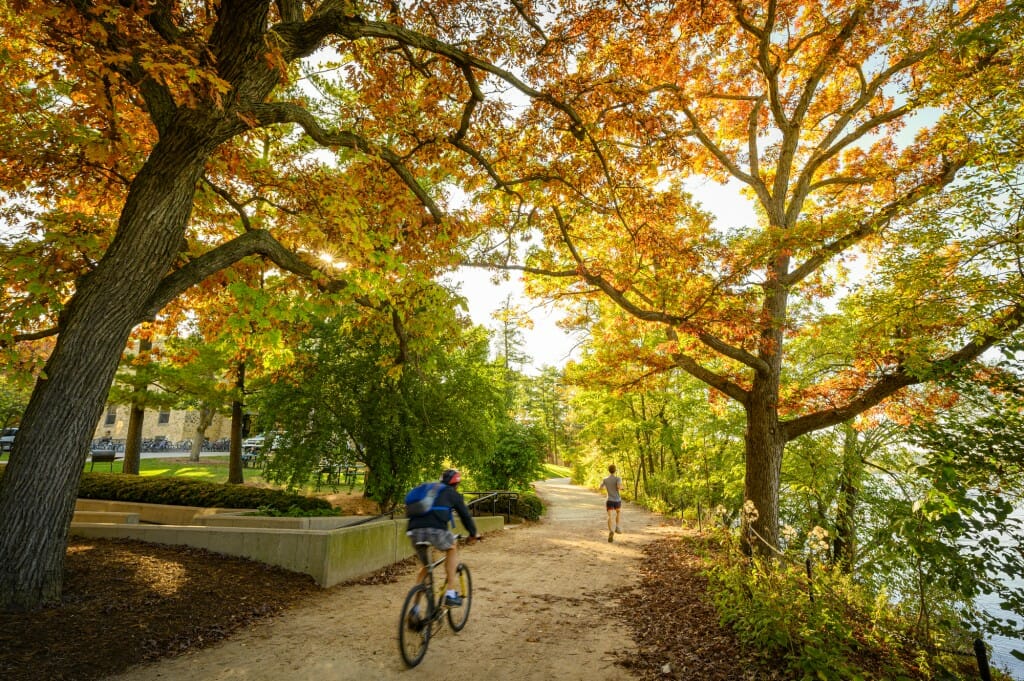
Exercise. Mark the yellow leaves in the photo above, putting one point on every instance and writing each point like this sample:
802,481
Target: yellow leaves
100,153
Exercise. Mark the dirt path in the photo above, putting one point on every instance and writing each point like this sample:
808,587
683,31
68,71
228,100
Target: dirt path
544,607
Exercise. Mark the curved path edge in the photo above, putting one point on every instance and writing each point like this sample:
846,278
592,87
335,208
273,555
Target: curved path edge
545,606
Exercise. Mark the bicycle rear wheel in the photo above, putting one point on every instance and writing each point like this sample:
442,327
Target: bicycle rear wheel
457,617
414,628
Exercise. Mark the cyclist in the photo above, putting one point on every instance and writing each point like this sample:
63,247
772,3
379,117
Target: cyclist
434,527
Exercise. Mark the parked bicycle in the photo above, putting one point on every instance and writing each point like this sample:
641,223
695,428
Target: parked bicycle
425,609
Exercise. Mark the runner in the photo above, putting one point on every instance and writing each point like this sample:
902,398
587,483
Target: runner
613,485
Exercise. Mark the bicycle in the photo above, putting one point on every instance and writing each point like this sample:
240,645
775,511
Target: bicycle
424,609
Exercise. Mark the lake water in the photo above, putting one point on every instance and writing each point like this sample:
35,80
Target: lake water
1002,645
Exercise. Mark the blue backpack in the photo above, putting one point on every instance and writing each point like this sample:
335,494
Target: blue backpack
420,499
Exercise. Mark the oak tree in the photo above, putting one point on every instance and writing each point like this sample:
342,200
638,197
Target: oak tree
120,115
852,128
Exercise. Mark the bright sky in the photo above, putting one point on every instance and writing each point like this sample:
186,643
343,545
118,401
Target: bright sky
547,344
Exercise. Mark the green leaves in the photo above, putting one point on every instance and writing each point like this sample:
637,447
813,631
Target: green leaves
516,460
345,399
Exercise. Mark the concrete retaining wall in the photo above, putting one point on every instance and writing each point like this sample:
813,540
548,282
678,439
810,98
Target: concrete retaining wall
329,556
311,523
161,514
105,517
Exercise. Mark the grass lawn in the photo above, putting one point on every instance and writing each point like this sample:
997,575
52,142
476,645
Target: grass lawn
553,471
215,469
210,468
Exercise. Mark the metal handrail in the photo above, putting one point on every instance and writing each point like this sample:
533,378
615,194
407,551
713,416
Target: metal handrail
370,519
498,499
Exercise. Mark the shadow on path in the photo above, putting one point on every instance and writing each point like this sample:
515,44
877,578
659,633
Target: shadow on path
545,607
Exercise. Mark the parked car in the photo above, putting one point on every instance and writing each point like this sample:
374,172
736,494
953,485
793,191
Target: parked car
256,443
7,439
253,444
256,451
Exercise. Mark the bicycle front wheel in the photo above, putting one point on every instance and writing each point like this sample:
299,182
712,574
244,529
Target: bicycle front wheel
457,617
414,627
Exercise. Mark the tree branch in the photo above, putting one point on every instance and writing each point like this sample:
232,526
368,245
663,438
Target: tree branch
840,180
403,338
254,242
334,17
290,10
531,22
791,135
283,112
752,152
844,35
828,147
159,100
900,377
763,35
754,182
161,18
946,175
670,320
528,270
35,335
230,200
701,373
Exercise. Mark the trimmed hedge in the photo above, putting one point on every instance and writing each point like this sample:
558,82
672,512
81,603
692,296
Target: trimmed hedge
529,506
185,492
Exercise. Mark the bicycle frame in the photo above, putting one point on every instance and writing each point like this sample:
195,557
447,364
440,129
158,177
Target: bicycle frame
434,593
425,608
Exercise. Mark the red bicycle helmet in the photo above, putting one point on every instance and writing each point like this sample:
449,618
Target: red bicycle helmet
451,477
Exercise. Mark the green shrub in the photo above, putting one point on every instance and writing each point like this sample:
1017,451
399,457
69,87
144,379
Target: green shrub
826,629
296,512
516,460
529,506
185,492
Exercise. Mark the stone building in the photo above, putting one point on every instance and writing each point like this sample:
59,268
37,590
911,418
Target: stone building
173,425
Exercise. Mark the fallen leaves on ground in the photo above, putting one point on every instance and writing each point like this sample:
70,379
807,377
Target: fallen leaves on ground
676,627
126,602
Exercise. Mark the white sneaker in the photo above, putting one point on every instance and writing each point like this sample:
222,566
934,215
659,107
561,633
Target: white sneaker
617,530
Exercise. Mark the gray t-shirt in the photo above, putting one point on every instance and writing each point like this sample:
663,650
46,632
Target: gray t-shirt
613,484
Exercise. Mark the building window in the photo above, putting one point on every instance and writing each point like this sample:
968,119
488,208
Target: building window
111,417
165,417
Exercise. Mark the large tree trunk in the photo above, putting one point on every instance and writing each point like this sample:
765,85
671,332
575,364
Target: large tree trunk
136,418
40,484
765,437
764,442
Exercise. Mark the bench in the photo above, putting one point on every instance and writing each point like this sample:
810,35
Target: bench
328,473
353,473
102,456
336,474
